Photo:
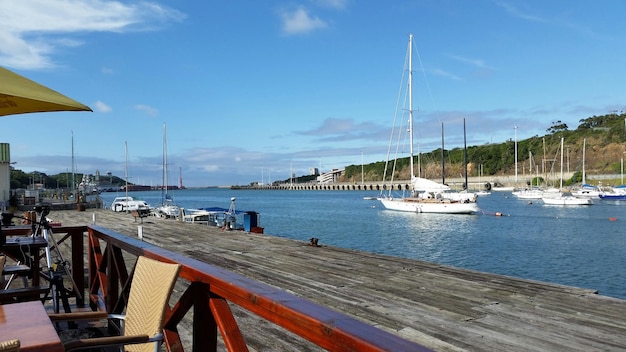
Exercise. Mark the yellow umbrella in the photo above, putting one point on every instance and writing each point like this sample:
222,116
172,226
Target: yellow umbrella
20,95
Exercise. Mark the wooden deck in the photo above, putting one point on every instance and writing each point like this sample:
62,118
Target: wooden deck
443,308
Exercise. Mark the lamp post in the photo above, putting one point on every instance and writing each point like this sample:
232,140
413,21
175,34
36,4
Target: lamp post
362,176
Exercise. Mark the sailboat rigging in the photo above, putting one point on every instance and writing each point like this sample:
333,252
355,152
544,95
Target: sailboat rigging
558,198
426,196
167,209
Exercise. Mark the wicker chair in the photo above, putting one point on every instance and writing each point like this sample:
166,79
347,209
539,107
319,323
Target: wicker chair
150,290
10,346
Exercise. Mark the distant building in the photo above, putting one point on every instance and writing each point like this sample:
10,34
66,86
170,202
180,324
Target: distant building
314,171
330,177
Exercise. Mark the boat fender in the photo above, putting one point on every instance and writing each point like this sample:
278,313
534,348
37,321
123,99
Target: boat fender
488,186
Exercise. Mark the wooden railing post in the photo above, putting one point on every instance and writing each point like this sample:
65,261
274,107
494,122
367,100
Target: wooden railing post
204,325
78,267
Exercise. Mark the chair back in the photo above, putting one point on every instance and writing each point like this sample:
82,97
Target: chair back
152,285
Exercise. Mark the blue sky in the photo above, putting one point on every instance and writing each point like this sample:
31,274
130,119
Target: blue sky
253,90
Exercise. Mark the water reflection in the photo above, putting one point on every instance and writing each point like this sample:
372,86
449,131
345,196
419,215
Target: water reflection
577,246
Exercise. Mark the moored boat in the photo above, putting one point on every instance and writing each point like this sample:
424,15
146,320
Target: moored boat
566,200
128,203
168,209
534,193
227,219
200,216
587,191
613,196
426,196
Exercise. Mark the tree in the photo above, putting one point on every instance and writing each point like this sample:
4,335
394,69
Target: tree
557,126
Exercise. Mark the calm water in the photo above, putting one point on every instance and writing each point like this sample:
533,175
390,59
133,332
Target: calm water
576,246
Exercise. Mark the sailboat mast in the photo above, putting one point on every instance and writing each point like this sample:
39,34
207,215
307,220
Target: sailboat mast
411,104
73,168
465,154
126,166
561,184
164,192
584,145
443,159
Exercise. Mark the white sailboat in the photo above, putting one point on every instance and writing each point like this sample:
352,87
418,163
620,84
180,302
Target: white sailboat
426,196
167,209
586,190
558,198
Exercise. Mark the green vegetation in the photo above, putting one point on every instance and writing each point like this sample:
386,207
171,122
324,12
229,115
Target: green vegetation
605,136
20,179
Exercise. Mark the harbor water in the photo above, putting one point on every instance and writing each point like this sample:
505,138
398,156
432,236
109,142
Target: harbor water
582,246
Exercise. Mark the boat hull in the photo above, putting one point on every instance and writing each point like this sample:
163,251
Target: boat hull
417,205
528,194
567,200
613,196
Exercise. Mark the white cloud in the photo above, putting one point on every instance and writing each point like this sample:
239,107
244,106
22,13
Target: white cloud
443,73
300,21
473,62
18,53
102,107
525,14
32,30
149,110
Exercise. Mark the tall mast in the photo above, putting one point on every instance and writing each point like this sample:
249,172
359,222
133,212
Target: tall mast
126,166
443,159
465,153
561,184
73,168
164,164
584,145
411,103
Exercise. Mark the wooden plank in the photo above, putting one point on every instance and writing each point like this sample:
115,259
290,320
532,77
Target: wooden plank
440,307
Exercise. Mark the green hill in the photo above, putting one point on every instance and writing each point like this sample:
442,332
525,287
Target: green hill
605,138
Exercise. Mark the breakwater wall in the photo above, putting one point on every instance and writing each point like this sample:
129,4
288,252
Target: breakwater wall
455,184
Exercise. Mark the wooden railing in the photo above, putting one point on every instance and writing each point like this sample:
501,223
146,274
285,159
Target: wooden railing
209,291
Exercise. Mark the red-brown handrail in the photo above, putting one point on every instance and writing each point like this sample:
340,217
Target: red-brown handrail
210,289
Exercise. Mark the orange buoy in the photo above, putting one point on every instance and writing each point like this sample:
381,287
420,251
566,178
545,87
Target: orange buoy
612,219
